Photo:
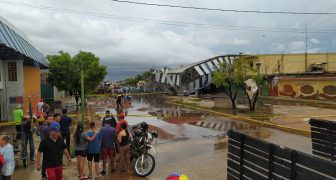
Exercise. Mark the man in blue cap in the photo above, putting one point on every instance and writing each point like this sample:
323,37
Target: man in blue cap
53,149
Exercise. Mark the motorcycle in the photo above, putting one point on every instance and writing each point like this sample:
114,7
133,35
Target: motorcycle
140,149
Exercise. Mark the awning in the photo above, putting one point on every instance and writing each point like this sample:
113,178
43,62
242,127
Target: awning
14,44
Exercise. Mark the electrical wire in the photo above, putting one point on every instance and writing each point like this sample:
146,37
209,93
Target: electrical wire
164,22
225,10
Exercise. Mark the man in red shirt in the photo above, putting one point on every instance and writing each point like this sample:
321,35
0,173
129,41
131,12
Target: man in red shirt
120,121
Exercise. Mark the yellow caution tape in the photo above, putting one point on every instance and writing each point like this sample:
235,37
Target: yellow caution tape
127,94
261,123
76,115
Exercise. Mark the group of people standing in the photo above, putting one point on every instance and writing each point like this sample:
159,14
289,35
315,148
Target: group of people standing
55,142
104,144
110,143
25,130
94,145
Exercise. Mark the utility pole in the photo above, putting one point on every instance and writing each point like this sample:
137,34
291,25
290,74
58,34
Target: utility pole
82,95
306,51
327,68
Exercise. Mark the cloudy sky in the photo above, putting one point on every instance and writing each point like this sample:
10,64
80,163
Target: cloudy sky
131,38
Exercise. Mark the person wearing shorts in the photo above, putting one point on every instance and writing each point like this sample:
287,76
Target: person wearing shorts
93,151
108,137
81,147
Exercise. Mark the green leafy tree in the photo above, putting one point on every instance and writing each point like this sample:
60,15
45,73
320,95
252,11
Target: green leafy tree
145,76
227,79
232,77
64,72
94,72
131,81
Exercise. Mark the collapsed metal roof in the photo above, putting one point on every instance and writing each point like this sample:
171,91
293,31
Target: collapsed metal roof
16,45
188,73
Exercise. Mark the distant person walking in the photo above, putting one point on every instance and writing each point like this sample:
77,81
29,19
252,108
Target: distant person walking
53,149
108,137
81,148
28,138
109,117
8,154
119,101
93,151
65,124
18,116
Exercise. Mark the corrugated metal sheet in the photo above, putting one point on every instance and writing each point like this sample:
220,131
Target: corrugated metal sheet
13,38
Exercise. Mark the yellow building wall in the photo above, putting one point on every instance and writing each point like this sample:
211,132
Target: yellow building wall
308,88
331,66
293,63
32,87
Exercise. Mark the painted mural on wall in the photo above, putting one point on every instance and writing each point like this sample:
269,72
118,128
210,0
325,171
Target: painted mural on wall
308,88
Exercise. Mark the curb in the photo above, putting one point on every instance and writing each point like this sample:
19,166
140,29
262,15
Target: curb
240,118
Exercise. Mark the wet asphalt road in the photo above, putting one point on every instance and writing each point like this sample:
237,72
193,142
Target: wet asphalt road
199,152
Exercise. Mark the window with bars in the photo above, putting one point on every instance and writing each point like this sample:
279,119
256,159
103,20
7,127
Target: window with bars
12,71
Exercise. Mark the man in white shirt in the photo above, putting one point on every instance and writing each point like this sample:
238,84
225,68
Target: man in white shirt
40,105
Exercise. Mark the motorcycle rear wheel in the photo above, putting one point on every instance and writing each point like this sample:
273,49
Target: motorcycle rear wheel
146,168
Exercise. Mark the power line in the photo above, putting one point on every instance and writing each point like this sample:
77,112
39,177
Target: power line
156,21
312,21
225,10
307,22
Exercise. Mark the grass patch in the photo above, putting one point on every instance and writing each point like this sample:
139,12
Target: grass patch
195,100
263,116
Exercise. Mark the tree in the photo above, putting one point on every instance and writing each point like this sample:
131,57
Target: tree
64,72
145,76
94,73
227,79
247,69
61,71
232,77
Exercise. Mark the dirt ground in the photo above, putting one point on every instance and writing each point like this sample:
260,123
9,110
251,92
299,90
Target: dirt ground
298,116
291,114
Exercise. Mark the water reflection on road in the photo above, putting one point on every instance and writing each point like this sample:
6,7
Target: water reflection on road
184,147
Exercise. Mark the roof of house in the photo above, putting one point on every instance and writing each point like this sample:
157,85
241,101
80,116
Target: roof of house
11,38
181,69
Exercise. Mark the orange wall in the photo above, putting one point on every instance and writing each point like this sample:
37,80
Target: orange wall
32,87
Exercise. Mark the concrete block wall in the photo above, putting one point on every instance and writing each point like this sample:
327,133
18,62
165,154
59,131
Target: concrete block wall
10,89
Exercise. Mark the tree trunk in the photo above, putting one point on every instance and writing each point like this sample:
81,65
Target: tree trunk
248,97
232,96
233,102
253,107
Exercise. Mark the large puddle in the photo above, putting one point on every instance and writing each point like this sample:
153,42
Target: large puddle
184,147
181,123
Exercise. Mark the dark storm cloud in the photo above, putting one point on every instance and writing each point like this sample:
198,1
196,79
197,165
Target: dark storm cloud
130,47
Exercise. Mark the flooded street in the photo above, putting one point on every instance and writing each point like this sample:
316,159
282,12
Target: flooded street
199,152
